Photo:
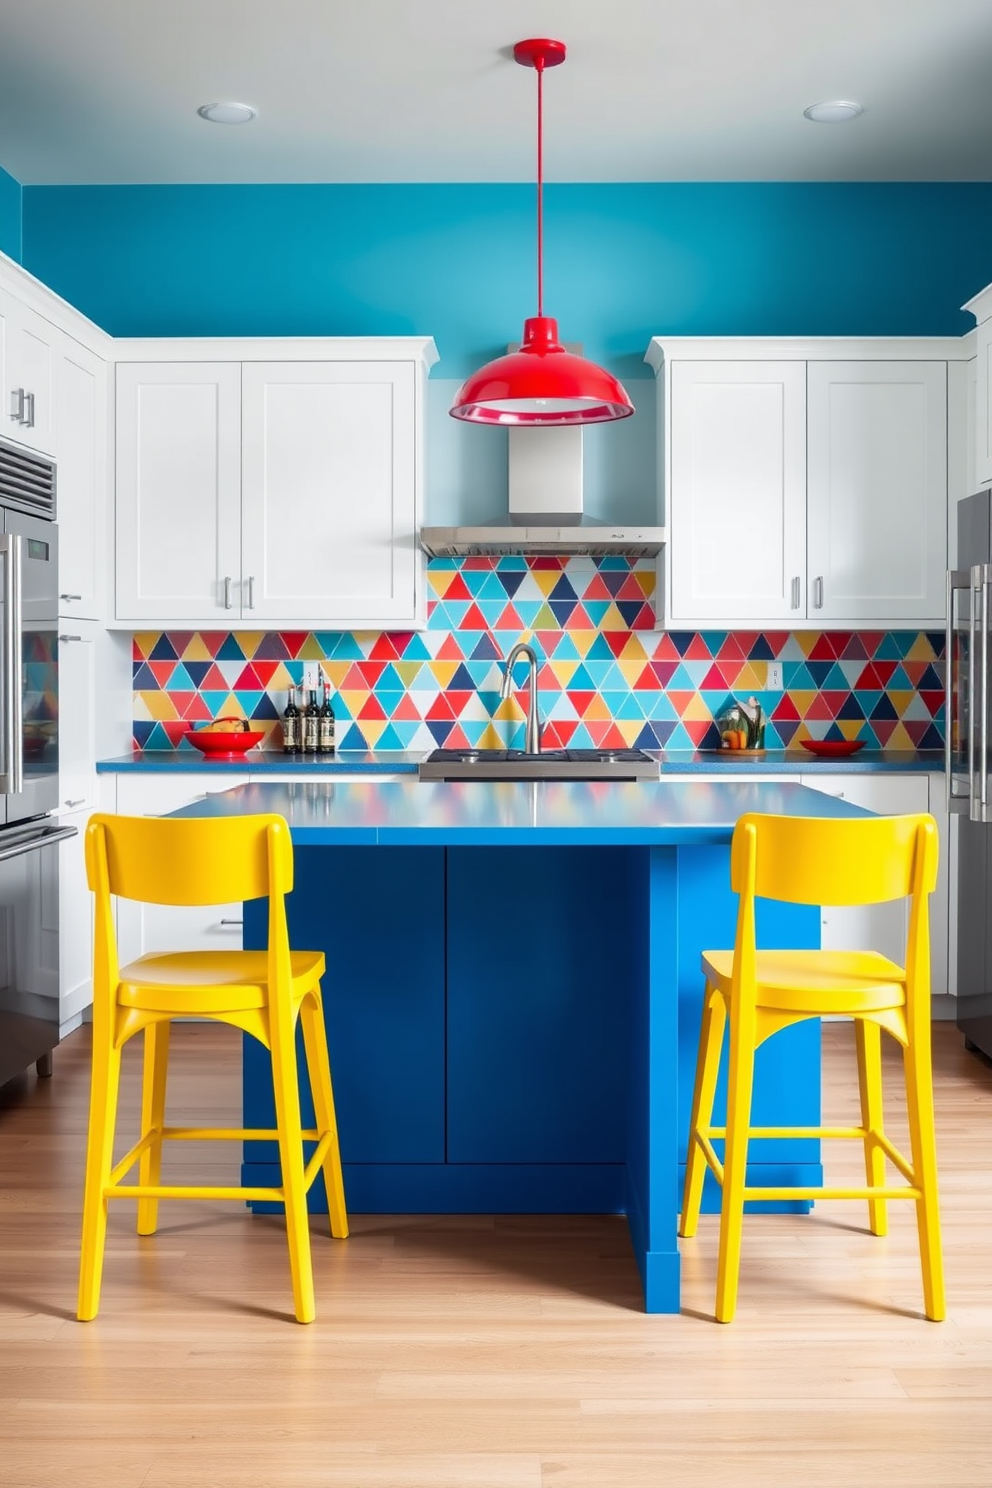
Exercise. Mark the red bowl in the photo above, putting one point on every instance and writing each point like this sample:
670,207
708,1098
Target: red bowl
832,748
224,743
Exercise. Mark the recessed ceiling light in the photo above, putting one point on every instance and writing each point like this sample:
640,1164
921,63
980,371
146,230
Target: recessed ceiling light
227,113
836,111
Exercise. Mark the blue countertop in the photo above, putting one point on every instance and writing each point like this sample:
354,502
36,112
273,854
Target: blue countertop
359,761
538,813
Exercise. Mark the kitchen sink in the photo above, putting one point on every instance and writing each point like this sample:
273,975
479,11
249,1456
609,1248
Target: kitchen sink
548,764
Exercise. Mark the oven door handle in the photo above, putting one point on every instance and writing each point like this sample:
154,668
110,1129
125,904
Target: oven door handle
46,837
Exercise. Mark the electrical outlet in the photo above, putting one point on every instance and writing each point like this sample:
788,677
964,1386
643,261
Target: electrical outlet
774,680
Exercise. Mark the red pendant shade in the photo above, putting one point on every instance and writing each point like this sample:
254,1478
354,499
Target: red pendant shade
542,384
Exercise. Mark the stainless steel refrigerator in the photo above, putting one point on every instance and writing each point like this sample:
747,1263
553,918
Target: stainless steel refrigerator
968,761
29,762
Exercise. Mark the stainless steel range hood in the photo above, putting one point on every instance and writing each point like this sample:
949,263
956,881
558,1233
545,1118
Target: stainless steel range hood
545,512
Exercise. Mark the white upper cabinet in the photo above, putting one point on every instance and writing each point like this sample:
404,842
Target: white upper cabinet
179,492
981,308
805,488
877,490
329,492
27,375
81,459
271,492
737,515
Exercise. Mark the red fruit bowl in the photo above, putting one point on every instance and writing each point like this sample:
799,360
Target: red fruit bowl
832,748
218,743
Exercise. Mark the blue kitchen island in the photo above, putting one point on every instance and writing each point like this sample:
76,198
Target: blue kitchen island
513,992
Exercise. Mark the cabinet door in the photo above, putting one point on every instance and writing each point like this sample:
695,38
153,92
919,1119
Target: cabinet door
329,493
877,490
872,927
737,497
179,492
77,716
28,376
81,454
165,927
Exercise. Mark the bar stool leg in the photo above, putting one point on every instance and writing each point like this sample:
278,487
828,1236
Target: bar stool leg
922,1136
868,1039
156,1065
739,1086
704,1089
99,1160
318,1063
290,1129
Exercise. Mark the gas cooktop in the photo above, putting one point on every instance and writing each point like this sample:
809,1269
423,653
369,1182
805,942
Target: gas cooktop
550,764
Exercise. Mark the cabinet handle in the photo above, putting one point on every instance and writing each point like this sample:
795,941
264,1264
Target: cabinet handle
818,592
28,420
251,591
70,596
795,593
17,405
232,922
64,637
227,592
78,802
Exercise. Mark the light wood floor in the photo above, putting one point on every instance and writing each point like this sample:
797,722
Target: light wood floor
472,1352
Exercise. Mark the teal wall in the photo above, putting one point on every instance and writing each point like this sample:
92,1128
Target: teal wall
623,263
10,216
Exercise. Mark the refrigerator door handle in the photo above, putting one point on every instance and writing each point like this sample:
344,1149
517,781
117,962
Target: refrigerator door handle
10,651
974,813
956,579
983,744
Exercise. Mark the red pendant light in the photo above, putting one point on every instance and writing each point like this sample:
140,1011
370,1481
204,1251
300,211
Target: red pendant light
542,384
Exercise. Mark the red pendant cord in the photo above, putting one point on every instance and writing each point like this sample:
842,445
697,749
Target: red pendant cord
539,64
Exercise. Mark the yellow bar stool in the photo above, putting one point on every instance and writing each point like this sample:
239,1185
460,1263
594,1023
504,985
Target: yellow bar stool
820,861
199,862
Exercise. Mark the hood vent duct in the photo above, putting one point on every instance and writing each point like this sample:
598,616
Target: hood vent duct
545,509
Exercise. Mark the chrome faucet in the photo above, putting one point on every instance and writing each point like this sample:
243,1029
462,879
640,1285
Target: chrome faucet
532,737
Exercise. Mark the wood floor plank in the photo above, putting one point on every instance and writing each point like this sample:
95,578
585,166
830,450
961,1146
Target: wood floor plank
479,1351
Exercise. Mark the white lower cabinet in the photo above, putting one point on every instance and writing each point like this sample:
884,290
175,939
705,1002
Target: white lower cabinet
161,927
75,921
77,706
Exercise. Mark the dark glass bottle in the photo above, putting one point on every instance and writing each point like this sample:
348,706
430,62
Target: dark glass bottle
325,744
311,724
291,725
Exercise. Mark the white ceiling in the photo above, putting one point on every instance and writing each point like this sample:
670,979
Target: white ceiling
106,91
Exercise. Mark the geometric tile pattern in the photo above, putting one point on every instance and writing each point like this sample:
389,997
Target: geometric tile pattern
606,677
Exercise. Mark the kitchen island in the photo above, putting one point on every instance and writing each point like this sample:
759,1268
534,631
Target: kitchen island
513,991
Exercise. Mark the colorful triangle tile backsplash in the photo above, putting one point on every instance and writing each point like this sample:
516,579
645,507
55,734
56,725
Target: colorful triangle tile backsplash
606,676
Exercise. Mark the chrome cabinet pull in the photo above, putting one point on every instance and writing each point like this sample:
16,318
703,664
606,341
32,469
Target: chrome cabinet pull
251,591
78,802
17,405
64,637
795,593
68,597
227,592
818,592
232,922
28,420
